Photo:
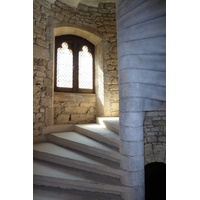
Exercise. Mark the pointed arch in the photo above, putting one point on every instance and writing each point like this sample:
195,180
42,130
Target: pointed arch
97,40
67,30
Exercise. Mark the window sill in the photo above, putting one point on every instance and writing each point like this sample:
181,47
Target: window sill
67,96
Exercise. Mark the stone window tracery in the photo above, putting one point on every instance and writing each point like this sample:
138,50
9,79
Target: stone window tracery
74,64
64,67
85,72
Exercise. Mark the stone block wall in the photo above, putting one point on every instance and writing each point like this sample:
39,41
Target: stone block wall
100,21
42,70
155,137
78,108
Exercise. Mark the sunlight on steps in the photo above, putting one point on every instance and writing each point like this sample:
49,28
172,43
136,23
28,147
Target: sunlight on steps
85,160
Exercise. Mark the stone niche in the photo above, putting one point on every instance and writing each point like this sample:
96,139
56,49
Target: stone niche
98,25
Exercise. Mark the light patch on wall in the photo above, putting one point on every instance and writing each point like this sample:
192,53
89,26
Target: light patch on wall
101,85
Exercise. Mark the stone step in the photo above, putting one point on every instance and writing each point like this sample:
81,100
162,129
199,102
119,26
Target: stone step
52,193
53,153
49,174
84,144
111,123
99,133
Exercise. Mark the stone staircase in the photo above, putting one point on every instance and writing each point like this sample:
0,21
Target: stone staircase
79,164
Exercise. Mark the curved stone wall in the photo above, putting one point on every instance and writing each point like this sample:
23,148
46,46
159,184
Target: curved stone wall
141,38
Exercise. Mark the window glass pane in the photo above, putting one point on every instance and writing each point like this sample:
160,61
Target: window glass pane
64,66
85,71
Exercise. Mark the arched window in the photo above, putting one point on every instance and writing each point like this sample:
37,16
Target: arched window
74,64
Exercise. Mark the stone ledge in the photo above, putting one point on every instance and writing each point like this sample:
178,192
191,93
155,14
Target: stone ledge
64,96
58,128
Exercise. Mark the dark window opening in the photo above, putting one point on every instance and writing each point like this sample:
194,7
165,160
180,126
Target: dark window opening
74,64
155,181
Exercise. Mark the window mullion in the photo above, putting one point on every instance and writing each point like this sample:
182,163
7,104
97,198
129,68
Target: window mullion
75,71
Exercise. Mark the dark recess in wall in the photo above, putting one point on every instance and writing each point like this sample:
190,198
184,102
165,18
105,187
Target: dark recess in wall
155,181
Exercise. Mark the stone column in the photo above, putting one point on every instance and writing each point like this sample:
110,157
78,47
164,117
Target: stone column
132,152
141,37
